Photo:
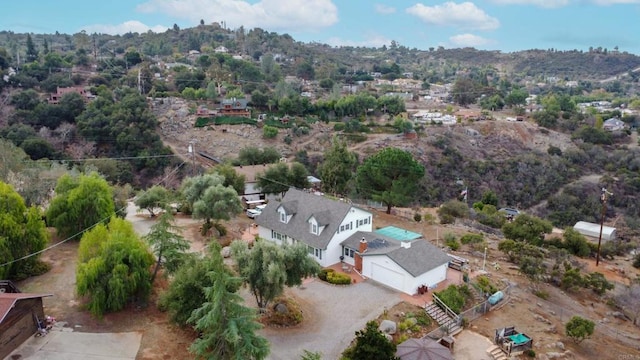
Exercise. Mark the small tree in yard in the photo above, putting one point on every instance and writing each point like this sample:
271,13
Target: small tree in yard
167,244
579,329
113,267
268,267
227,328
156,197
371,344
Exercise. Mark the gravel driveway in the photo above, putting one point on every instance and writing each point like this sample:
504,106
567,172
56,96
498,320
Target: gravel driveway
337,313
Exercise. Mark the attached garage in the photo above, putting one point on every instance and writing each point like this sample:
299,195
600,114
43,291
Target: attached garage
401,265
387,276
19,313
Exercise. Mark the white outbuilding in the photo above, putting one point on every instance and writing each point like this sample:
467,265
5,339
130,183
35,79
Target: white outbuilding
593,230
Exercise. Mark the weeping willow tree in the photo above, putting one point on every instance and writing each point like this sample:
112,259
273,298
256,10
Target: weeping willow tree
113,267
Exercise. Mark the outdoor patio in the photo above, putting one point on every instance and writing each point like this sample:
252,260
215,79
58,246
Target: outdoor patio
454,277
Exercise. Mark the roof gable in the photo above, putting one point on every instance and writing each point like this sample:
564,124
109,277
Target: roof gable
304,205
420,257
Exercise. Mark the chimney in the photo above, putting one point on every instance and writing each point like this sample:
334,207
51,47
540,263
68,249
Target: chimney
358,257
405,244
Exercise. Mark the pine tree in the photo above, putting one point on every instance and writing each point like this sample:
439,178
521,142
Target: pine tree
227,328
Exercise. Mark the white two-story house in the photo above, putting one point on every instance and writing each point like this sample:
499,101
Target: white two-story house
317,221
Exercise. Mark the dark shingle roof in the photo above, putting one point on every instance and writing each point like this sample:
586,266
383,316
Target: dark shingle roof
421,257
303,205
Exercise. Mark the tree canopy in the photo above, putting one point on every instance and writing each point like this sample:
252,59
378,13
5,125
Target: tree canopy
80,203
167,244
268,268
279,177
22,233
337,168
579,329
152,199
527,228
371,344
389,176
227,328
113,267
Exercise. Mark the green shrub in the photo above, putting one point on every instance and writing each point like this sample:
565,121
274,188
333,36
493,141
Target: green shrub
323,274
530,353
339,126
471,238
337,278
417,217
423,319
451,241
269,132
452,297
541,294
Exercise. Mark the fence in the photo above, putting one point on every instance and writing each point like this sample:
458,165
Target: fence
549,309
471,314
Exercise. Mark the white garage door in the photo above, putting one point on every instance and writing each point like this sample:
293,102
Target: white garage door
387,276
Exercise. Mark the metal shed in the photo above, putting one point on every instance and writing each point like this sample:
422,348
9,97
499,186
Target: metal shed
593,230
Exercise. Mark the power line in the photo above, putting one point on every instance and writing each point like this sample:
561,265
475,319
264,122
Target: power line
85,229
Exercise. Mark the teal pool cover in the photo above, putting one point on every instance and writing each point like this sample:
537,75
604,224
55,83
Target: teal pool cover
398,233
519,339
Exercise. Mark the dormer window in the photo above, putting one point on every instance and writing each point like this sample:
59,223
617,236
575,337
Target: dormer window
314,229
283,217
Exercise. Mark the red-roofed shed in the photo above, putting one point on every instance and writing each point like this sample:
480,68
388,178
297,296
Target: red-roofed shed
19,313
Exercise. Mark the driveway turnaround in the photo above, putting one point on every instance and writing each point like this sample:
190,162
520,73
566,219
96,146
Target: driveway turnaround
66,345
337,313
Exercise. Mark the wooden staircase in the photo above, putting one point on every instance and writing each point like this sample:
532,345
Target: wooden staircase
443,319
496,353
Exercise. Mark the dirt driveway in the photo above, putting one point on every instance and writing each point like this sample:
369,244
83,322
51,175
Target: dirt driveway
332,316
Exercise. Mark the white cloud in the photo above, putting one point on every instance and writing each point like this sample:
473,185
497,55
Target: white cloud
384,9
551,4
465,15
373,41
125,27
469,40
274,15
615,2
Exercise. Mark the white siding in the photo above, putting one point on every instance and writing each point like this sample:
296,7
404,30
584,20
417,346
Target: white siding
382,269
334,249
331,254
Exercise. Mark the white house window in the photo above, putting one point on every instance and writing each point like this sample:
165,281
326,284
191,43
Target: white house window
283,217
310,250
314,229
341,228
319,253
348,252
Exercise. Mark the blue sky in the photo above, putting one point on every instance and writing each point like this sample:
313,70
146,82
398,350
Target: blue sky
506,25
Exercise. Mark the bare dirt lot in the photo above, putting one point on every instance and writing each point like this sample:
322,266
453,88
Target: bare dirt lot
542,319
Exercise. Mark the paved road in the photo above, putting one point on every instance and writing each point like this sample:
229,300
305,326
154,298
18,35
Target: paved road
338,312
65,345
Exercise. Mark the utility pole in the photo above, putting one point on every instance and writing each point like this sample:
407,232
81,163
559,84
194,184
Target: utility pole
603,197
192,151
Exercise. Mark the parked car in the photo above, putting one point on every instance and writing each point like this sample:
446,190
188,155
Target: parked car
252,213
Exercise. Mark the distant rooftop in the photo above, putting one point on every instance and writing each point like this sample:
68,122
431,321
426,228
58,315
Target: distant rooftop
398,233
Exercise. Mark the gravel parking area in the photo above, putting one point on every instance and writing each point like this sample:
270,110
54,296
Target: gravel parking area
332,316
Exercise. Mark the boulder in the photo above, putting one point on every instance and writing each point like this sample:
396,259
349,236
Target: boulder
388,327
560,345
226,252
281,308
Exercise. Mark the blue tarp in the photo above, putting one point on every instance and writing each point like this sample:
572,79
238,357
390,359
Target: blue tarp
495,298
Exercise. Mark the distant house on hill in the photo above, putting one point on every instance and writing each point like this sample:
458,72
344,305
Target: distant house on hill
55,98
613,124
234,107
